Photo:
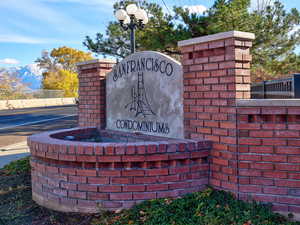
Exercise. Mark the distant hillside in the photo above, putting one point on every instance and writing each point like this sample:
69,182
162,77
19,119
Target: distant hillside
30,75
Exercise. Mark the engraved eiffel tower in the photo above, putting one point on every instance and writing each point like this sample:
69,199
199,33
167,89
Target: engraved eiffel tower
140,103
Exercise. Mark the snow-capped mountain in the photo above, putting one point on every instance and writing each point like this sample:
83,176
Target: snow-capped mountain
30,75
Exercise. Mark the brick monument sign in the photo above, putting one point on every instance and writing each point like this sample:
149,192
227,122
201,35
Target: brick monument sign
146,105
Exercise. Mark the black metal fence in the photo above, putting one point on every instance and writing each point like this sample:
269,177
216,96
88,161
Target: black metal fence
277,89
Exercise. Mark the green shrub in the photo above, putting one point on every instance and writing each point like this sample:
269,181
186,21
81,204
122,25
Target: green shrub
18,167
210,207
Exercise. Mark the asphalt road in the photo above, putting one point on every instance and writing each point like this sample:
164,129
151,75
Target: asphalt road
16,125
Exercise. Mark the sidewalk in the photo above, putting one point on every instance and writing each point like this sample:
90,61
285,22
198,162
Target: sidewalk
13,152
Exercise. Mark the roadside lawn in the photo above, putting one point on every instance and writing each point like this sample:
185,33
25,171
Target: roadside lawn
209,207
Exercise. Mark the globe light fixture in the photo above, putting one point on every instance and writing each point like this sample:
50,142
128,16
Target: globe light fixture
132,18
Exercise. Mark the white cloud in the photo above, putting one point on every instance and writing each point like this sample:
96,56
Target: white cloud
14,38
41,12
84,2
260,4
296,29
198,9
9,61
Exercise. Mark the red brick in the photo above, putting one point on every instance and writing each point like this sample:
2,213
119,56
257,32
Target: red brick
262,166
109,150
99,150
274,141
144,195
274,111
86,158
67,157
77,179
157,157
179,156
133,188
229,140
251,173
288,200
220,176
262,181
121,180
98,180
294,111
201,46
109,158
249,111
186,49
275,190
220,162
145,180
195,68
168,194
295,176
109,173
157,187
294,142
287,134
130,150
133,173
170,178
261,149
120,150
110,188
249,141
88,173
250,189
220,87
157,172
274,158
77,194
178,170
183,185
229,186
250,157
87,187
288,150
202,167
287,167
69,171
51,169
97,196
261,134
120,196
68,186
288,183
271,126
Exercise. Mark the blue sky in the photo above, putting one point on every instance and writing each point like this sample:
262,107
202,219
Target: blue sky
30,26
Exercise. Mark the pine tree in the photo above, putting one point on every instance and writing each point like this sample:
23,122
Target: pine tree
274,27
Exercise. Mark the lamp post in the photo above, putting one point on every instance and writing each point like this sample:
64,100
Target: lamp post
132,18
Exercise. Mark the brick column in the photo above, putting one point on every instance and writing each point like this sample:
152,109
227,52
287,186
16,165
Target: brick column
216,73
92,106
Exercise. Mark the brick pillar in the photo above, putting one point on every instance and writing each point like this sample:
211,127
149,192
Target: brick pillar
92,106
216,73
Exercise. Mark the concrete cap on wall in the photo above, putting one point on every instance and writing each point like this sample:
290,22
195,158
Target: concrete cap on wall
93,61
215,37
268,102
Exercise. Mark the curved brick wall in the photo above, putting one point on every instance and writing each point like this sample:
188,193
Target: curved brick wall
86,177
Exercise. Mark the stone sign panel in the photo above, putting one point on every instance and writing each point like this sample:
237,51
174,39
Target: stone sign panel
144,94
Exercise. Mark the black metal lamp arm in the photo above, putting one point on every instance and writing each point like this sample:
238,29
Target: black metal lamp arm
132,26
